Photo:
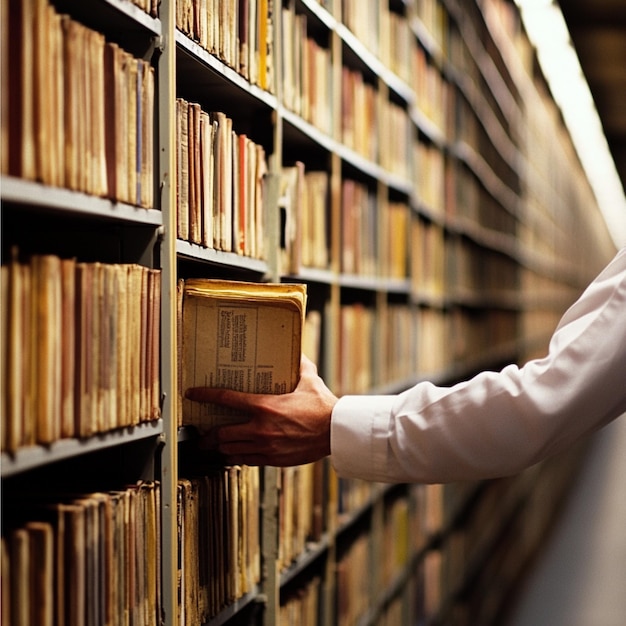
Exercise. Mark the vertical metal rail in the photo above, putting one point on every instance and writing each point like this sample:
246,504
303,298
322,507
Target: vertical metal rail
167,181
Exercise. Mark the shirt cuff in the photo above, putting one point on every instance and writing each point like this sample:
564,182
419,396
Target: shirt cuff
359,436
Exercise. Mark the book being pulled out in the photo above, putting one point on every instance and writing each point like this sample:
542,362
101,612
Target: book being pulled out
238,335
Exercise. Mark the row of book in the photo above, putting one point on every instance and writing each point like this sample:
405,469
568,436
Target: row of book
430,87
383,552
404,529
397,354
457,267
77,111
359,229
360,114
109,542
301,607
363,18
434,16
84,559
396,219
395,156
304,206
432,177
386,33
80,348
417,341
301,510
354,590
149,6
428,259
414,341
238,32
394,551
218,541
408,523
307,80
307,72
219,183
374,235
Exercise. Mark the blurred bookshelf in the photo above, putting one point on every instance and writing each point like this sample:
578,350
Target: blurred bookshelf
405,160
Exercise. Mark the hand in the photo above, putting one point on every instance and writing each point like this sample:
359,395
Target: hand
284,429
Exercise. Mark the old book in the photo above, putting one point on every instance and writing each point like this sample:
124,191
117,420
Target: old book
150,515
239,335
244,27
252,154
112,61
84,320
71,40
96,351
20,573
132,69
109,346
224,180
234,534
208,130
57,99
263,31
290,203
182,168
144,388
47,355
4,354
253,64
236,191
139,103
42,104
154,360
193,145
134,325
68,341
96,130
74,563
21,85
5,577
147,142
4,90
20,403
261,190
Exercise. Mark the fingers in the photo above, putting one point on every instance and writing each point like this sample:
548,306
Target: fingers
234,452
229,397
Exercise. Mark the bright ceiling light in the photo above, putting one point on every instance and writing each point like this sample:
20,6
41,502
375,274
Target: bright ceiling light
548,32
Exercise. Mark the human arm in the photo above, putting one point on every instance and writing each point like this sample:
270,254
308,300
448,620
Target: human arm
494,424
498,422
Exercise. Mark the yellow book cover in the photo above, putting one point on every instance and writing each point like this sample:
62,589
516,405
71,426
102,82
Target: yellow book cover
239,335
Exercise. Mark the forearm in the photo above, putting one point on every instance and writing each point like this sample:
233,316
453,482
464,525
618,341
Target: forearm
499,422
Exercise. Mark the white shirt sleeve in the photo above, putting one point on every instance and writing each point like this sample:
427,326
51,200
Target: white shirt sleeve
497,423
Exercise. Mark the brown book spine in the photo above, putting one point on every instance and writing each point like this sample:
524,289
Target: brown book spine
194,173
147,142
183,169
21,579
244,29
111,113
47,347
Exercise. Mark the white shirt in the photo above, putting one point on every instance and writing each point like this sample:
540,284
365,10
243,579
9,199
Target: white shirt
497,423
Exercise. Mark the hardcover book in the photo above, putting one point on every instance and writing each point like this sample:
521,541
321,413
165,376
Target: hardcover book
238,335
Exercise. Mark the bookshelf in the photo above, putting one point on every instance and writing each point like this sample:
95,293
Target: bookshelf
406,162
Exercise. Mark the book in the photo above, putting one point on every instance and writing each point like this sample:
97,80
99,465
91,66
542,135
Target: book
238,335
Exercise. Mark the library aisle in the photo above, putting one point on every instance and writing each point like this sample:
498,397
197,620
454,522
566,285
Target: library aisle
580,580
